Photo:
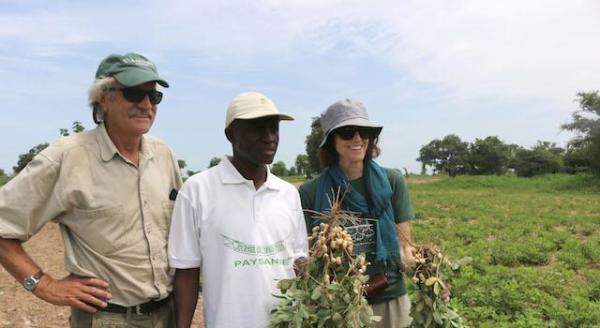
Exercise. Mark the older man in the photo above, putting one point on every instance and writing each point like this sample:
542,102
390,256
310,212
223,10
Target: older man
238,222
111,190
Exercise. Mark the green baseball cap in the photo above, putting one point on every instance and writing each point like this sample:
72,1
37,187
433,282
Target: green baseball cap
130,69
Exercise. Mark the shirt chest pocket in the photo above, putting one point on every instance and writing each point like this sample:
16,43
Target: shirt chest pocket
164,218
104,230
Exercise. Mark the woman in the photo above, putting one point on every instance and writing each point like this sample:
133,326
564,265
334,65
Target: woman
379,194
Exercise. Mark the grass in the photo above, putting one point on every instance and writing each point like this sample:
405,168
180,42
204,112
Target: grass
293,178
535,245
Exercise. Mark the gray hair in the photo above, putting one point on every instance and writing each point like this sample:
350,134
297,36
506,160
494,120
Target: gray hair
97,90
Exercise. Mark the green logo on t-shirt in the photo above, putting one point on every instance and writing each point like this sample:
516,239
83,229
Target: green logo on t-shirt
263,251
256,250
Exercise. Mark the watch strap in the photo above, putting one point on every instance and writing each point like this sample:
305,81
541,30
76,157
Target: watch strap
32,281
38,275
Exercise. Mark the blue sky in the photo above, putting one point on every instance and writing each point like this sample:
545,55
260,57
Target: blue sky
424,69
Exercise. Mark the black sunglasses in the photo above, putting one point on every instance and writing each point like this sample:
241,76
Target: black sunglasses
348,132
136,95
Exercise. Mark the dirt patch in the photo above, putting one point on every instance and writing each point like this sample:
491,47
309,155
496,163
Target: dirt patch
416,180
19,308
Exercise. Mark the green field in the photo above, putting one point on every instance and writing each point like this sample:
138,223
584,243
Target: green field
535,245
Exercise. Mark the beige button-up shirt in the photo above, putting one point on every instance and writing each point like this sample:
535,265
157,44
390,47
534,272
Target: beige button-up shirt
114,217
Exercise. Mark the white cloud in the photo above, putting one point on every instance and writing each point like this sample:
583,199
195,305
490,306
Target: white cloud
509,49
476,48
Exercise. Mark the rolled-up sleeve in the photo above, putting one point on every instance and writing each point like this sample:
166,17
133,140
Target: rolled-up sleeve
403,210
31,199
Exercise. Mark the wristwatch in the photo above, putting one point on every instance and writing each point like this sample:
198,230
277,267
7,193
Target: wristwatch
31,282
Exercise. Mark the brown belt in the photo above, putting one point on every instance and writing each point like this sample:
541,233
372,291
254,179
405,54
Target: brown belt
139,309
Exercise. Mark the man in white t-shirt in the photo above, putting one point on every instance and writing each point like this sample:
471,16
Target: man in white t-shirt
239,224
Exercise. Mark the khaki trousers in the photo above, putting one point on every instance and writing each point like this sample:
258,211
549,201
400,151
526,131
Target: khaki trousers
163,317
394,313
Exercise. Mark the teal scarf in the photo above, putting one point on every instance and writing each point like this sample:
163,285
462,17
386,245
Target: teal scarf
380,192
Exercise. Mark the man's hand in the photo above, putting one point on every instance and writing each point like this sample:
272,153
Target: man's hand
74,291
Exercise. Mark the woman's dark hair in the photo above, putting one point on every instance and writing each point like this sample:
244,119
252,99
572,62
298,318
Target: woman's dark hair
328,155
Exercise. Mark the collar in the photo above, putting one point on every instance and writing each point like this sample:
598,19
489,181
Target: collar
108,150
230,175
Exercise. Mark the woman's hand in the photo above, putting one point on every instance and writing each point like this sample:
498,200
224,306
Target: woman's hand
408,258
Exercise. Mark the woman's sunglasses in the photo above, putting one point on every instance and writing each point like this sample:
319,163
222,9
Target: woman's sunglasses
348,132
136,95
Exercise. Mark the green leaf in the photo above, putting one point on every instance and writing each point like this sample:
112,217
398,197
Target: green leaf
364,278
347,298
316,294
334,287
365,316
284,283
337,318
429,320
304,312
420,306
428,300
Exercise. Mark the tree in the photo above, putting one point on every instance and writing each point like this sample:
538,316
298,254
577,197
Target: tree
24,159
585,147
449,155
76,128
543,158
488,156
279,169
214,162
292,171
577,158
301,164
3,177
313,140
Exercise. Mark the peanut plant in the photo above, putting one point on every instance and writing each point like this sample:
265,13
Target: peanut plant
330,292
431,279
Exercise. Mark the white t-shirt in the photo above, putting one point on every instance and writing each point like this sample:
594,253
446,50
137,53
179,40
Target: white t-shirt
243,239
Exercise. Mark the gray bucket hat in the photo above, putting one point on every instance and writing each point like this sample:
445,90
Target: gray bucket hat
346,112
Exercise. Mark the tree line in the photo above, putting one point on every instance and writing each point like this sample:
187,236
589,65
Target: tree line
490,156
452,156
